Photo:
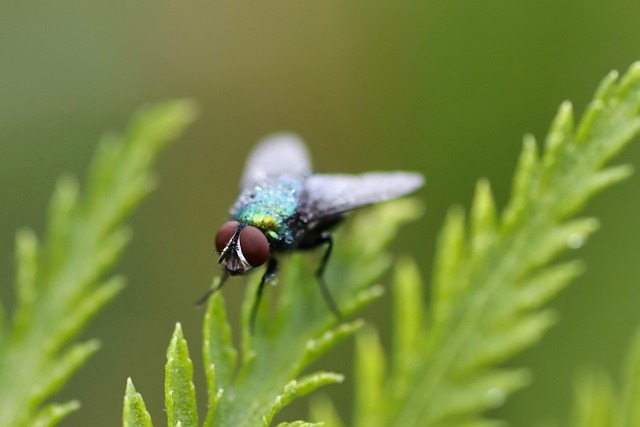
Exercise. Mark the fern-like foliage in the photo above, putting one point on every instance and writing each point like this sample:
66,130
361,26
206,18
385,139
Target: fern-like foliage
492,277
598,405
60,283
493,274
268,378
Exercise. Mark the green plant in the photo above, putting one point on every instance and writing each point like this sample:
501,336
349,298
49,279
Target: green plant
60,284
302,329
598,404
493,276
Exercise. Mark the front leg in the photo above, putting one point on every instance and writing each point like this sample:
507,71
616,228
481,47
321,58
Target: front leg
270,273
213,289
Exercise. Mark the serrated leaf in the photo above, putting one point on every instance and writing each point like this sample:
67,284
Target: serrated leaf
53,413
489,286
303,327
71,323
570,235
503,342
370,371
448,266
483,217
486,391
135,412
408,317
180,394
542,286
319,346
323,409
630,405
220,356
300,424
607,178
63,366
598,403
298,388
595,405
60,283
525,183
559,135
27,248
361,299
62,209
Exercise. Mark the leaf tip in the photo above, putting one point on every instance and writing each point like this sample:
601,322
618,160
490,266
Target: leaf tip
566,107
634,69
177,332
130,389
188,108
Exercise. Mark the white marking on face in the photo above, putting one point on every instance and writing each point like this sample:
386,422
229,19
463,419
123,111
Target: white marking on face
243,260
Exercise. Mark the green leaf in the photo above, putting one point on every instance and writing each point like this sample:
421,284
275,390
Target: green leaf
302,327
630,404
27,248
408,318
317,347
595,404
483,218
284,345
51,414
135,412
300,424
217,346
323,409
65,365
180,393
299,388
492,276
370,367
60,284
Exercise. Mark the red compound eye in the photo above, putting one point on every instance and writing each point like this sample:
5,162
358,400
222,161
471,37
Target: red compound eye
254,245
225,234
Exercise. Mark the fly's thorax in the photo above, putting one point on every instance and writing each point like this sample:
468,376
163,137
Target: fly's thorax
263,220
269,207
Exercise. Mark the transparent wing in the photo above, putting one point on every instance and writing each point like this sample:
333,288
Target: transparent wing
333,194
276,155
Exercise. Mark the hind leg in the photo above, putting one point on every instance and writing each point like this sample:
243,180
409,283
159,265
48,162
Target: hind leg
326,239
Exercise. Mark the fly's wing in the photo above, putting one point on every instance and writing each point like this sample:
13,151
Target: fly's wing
281,154
333,194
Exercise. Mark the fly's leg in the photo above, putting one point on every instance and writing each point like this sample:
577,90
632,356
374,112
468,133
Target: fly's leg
272,270
212,290
326,237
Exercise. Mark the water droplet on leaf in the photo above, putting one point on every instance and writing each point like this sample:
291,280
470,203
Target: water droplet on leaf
495,397
576,240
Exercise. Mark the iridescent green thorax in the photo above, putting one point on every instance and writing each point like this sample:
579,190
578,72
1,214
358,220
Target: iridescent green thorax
269,206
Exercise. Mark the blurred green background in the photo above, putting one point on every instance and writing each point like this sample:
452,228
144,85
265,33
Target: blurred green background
447,88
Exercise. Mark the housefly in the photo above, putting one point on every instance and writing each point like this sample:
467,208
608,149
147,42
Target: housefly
283,206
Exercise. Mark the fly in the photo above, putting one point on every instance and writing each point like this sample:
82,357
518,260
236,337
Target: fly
283,206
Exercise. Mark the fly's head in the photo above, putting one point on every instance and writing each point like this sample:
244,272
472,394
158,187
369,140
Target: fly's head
241,247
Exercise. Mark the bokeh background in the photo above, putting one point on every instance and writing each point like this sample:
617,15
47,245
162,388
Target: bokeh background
447,88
